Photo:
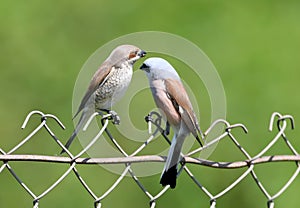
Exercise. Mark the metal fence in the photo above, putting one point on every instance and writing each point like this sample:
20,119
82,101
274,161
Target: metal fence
155,123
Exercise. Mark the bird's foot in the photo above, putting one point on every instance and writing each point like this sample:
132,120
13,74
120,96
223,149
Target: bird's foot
148,118
114,117
167,130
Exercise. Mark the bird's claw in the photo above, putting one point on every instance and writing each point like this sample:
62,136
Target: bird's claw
148,118
115,118
167,130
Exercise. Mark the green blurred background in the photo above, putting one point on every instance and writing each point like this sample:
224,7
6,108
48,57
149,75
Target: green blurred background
254,46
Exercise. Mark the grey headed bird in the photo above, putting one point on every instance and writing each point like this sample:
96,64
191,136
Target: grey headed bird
172,99
108,85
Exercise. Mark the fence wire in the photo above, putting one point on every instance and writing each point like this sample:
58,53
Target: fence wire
155,124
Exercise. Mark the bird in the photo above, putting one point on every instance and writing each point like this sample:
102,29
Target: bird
173,102
108,85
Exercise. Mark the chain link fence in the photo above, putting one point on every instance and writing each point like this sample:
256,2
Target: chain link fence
282,122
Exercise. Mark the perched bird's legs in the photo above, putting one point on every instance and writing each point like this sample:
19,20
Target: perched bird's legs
167,130
114,116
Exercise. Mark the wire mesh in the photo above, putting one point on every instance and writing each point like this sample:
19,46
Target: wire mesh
155,124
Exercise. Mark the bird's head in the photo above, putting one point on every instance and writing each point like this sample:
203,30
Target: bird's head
158,68
126,53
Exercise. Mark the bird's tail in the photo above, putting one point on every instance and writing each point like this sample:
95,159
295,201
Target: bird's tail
169,174
83,119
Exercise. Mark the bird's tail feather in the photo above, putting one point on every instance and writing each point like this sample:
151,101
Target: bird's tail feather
169,174
169,177
83,119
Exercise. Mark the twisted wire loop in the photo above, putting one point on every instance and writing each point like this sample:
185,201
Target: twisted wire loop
155,127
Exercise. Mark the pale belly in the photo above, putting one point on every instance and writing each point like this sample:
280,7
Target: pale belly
113,89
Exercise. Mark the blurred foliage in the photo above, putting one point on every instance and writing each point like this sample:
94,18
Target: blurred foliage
255,47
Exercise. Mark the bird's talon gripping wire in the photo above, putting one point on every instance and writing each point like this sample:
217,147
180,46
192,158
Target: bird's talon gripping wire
115,118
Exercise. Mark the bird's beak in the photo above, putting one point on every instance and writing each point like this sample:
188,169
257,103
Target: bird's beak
142,53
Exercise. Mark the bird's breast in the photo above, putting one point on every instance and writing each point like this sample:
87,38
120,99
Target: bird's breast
114,87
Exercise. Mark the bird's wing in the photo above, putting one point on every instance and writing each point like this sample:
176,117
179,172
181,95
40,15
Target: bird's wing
164,103
183,105
98,79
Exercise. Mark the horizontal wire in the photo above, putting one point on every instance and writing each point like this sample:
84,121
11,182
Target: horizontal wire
151,158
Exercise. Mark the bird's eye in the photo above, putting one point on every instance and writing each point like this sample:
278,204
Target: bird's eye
144,66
